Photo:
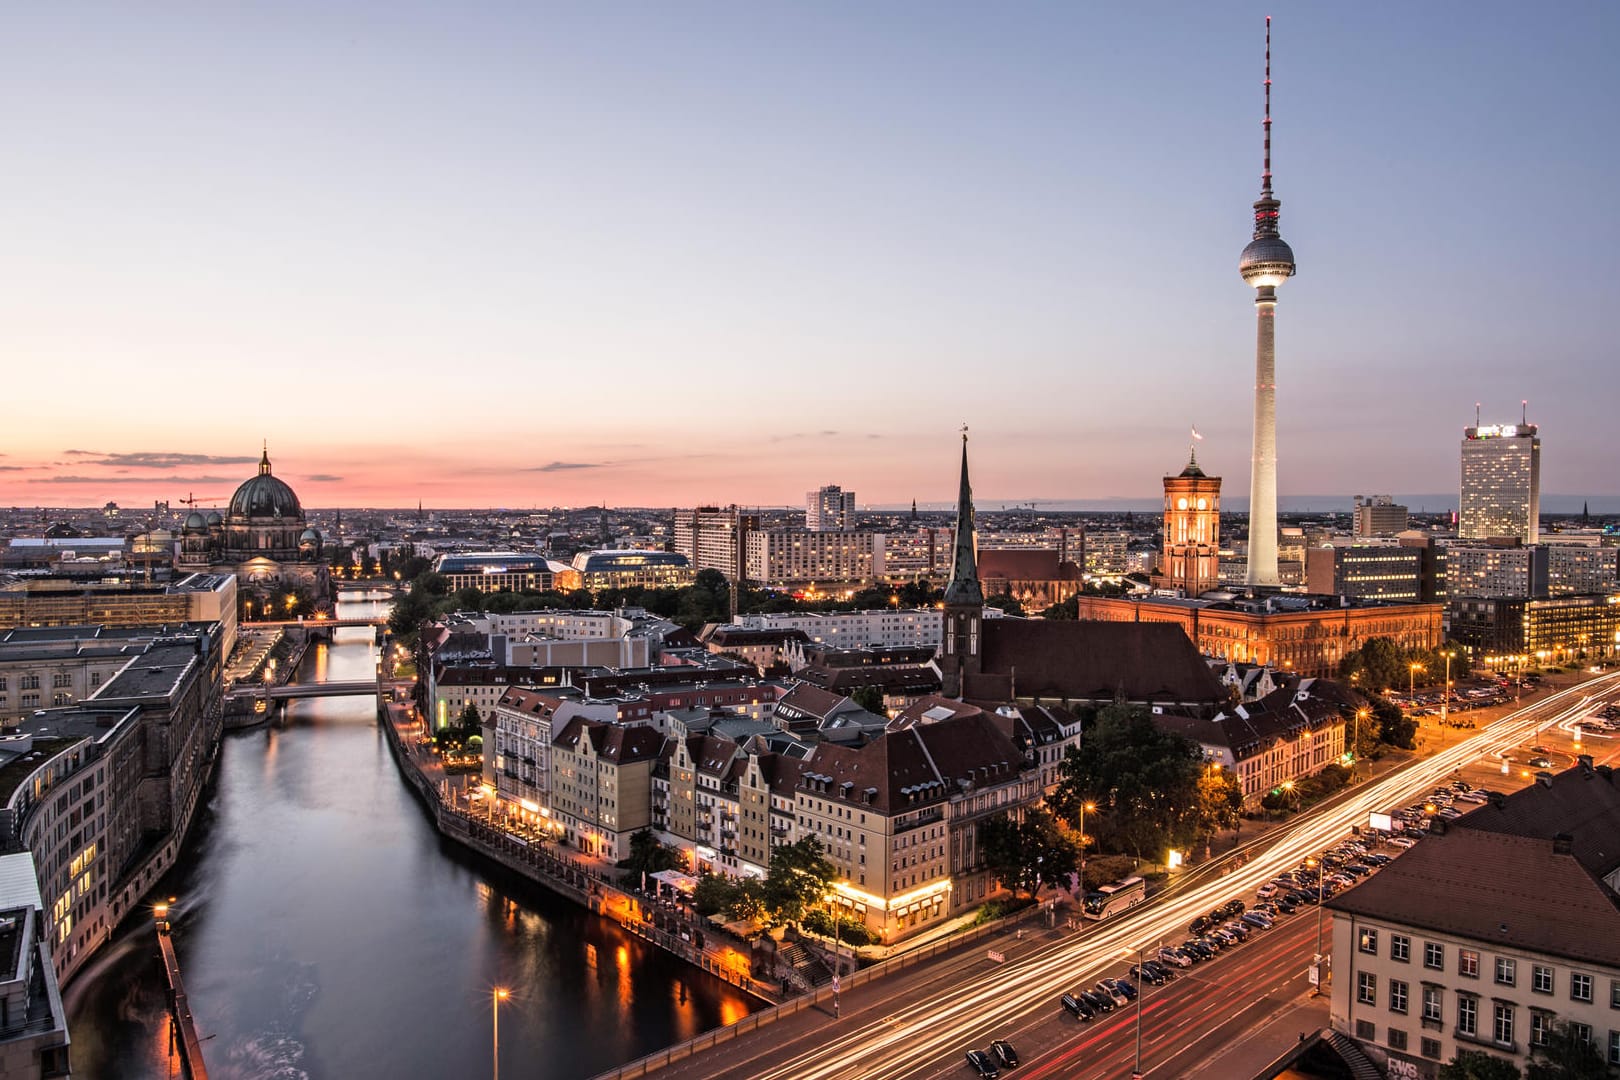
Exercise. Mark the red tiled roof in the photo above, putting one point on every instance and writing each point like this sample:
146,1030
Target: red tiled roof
1024,564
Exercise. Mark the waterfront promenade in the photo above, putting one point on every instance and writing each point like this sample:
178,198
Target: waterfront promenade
591,883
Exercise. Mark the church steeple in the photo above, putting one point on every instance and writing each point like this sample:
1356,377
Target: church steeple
964,587
264,462
959,659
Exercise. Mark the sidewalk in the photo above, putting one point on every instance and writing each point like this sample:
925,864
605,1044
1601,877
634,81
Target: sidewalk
1249,1052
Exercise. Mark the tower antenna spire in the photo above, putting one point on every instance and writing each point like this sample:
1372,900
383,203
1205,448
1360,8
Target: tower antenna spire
1476,414
1524,411
1265,177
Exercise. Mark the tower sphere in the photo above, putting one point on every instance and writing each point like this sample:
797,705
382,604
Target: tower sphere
1266,261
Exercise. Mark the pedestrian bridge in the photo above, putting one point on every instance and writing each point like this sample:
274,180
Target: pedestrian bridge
336,688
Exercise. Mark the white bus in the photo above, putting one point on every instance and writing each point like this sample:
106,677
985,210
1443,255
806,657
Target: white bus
1110,900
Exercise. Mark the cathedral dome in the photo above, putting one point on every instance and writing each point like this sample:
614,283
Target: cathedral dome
264,496
215,519
195,522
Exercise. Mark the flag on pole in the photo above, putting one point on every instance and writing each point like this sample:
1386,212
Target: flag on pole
1195,433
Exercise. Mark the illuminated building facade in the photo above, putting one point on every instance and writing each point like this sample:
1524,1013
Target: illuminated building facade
1192,531
830,507
1501,483
715,538
1309,636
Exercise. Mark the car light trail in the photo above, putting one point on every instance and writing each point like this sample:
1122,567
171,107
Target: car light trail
905,1042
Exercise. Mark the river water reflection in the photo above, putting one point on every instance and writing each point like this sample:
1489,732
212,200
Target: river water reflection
325,931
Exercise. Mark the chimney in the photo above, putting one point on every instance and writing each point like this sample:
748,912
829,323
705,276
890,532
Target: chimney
1563,843
1544,778
1437,826
1585,761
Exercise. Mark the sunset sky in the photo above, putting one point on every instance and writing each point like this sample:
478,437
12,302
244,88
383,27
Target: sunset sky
486,254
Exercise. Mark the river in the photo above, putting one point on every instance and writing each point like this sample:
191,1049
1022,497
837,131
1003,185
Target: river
325,931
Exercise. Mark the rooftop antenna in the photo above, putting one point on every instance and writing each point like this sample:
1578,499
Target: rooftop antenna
1524,411
1476,414
1265,177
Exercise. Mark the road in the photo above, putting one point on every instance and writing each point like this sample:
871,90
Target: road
918,1025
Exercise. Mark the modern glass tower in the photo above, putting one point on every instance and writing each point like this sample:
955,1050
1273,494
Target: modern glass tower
1501,483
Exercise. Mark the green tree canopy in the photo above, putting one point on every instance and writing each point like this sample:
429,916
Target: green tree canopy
1026,854
1478,1065
800,875
1565,1056
1143,780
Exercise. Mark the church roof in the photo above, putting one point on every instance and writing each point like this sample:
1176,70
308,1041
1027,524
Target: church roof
1091,661
265,496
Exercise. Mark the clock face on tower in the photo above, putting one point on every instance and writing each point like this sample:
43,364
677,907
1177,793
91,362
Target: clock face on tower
1181,504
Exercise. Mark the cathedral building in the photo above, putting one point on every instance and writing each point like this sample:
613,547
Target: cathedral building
262,538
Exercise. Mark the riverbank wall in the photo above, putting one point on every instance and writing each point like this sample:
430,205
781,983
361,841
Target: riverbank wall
703,947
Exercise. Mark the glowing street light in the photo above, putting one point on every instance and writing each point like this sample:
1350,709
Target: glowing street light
1141,992
498,995
1321,875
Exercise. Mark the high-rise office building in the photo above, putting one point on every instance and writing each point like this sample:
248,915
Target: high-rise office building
715,538
829,508
1266,263
1501,483
1379,515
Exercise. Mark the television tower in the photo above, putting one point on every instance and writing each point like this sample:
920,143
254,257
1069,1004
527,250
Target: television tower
1265,264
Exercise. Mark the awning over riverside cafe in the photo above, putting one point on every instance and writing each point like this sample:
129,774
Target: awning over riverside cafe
676,880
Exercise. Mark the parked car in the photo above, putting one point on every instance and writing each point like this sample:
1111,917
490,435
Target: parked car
1449,814
1541,762
980,1063
1266,891
1199,925
1224,936
1124,986
1377,859
1256,920
1144,973
1287,905
1077,1008
1164,971
1005,1055
1197,949
1402,842
1238,929
1107,988
1100,1002
1175,957
1232,909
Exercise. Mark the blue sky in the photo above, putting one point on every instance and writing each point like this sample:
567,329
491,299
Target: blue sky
657,254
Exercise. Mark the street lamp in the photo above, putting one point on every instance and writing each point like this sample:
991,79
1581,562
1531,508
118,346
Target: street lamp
1083,808
1445,695
1411,683
1316,991
1355,744
498,995
1141,992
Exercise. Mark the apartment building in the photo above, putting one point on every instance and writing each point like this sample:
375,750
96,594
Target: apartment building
1529,934
601,784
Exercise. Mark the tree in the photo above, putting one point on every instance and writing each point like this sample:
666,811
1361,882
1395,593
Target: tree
1395,728
1007,602
869,698
800,875
1220,801
1024,855
1478,1065
1566,1056
1142,779
713,894
648,856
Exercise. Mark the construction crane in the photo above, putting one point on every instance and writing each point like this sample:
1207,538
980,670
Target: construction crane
192,500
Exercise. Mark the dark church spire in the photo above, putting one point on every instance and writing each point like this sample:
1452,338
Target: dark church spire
264,462
964,587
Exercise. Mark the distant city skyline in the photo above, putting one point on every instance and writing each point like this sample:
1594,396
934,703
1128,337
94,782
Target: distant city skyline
503,256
